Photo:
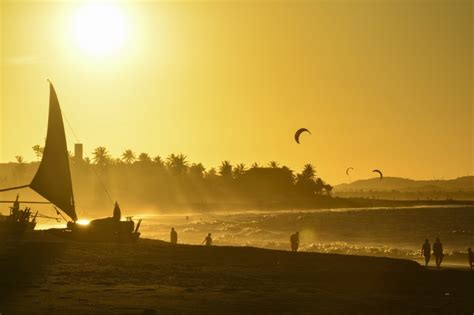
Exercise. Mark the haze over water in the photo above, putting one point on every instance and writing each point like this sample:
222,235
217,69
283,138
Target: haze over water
392,232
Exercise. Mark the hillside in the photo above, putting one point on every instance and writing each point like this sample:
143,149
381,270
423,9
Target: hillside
404,188
465,183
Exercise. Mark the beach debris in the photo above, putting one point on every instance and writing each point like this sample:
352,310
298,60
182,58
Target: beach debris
299,132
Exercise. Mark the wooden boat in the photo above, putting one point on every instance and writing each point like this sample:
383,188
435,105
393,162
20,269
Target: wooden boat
53,182
17,222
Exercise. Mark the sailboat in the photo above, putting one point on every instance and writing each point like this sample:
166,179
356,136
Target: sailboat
53,182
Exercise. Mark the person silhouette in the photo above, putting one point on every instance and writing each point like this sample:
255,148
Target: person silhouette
16,204
470,255
173,236
295,241
438,252
426,251
117,212
208,240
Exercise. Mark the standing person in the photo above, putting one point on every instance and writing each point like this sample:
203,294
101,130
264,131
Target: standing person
15,209
295,241
438,252
426,251
117,212
208,240
173,236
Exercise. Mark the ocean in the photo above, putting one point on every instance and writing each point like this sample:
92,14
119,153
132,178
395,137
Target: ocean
389,232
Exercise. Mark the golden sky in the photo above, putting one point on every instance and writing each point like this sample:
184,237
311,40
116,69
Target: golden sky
380,84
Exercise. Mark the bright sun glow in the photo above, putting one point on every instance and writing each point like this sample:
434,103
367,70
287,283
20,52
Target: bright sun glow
83,222
100,29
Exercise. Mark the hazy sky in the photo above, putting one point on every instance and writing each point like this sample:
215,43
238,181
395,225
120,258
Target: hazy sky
381,84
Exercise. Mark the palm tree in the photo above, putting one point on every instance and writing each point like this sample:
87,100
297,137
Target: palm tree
197,170
318,186
144,158
273,164
128,156
177,163
159,161
38,151
19,159
308,172
211,173
225,170
239,170
306,183
328,189
101,156
286,168
255,165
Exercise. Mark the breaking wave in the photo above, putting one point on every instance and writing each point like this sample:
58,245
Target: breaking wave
389,232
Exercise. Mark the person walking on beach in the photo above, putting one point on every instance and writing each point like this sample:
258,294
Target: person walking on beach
470,255
208,240
173,236
295,241
426,251
438,252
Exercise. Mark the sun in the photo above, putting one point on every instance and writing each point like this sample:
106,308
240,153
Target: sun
100,28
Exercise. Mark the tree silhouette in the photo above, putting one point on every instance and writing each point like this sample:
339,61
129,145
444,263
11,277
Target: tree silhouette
319,186
225,170
239,170
309,172
175,181
211,173
273,164
177,164
255,165
19,159
305,183
158,161
144,158
101,156
197,170
128,156
38,151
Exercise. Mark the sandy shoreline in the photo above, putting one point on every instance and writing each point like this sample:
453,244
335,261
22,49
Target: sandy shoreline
58,277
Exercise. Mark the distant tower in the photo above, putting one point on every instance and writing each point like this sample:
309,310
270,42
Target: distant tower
78,152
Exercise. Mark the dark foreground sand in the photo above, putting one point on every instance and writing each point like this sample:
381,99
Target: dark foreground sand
55,277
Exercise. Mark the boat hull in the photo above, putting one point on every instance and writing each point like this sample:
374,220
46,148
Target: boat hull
101,230
11,228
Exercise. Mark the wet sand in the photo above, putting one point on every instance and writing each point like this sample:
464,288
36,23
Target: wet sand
150,276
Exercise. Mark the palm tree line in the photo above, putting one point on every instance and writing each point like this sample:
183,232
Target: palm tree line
179,165
175,180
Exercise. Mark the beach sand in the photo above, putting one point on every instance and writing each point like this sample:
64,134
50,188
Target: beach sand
153,277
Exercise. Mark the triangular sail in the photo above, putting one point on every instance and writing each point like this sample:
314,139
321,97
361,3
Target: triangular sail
53,178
